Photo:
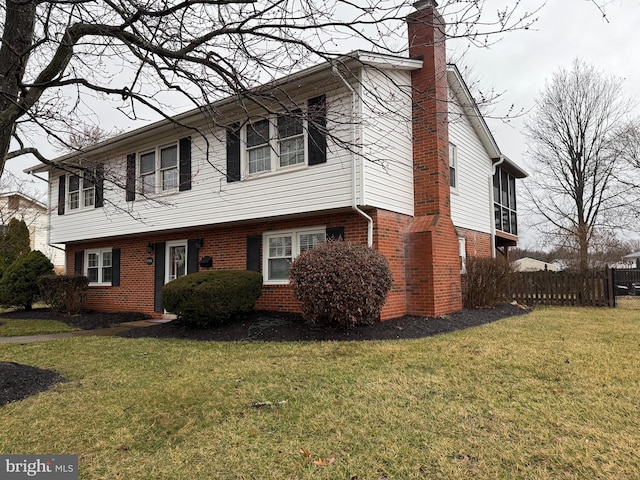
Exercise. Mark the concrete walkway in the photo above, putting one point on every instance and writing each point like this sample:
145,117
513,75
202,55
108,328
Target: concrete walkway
99,332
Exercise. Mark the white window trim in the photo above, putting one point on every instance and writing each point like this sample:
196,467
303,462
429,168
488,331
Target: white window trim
81,190
274,145
462,252
99,251
453,163
295,248
157,150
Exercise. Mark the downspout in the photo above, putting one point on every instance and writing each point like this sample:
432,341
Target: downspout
352,154
494,169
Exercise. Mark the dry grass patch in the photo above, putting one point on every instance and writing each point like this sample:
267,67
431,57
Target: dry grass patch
548,395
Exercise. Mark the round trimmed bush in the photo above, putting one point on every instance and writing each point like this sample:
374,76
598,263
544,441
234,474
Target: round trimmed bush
19,285
64,293
341,283
212,297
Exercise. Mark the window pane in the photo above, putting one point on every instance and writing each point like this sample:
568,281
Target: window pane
74,200
92,274
496,187
74,183
149,183
106,275
106,259
514,223
292,151
89,197
505,220
260,159
497,216
452,165
504,184
512,192
93,260
169,157
452,177
279,268
258,133
148,162
289,126
310,240
280,247
170,179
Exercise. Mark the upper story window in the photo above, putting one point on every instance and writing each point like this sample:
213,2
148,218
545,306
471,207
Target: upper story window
159,170
80,191
274,143
281,248
278,142
163,169
504,202
453,166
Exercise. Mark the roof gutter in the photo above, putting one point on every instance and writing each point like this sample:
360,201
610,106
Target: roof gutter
352,154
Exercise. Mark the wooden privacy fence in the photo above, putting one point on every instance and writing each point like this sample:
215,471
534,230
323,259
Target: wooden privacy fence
593,289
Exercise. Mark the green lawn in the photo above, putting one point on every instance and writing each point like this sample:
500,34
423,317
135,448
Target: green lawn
551,395
18,328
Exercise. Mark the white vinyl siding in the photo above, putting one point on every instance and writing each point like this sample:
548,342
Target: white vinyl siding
471,206
387,160
212,200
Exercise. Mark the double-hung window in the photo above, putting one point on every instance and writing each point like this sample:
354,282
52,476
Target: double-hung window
82,191
99,266
275,143
281,248
159,170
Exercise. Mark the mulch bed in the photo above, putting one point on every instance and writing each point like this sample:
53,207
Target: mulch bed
21,381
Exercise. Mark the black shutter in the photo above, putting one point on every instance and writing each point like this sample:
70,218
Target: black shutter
254,245
115,267
99,187
335,233
192,255
317,139
77,264
158,276
185,164
61,193
131,177
233,153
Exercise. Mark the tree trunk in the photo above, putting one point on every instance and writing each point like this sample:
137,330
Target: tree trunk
14,54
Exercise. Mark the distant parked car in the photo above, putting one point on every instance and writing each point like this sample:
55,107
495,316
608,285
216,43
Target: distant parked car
635,288
622,290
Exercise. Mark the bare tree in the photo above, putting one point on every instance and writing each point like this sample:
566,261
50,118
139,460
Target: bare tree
138,55
575,135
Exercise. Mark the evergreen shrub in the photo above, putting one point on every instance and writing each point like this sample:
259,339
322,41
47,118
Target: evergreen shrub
341,283
19,284
213,297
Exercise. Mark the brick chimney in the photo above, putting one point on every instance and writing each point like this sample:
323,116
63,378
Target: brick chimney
433,281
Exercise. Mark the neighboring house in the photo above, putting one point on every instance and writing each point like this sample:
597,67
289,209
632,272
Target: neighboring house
632,260
528,264
34,213
425,187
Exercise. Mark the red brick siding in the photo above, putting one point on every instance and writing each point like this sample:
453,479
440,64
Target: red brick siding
478,244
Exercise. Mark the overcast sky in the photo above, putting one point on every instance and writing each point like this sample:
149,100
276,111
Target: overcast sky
521,63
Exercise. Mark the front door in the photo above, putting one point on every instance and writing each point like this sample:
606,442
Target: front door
176,261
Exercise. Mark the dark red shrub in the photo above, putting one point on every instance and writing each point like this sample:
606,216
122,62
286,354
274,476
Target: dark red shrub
341,283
